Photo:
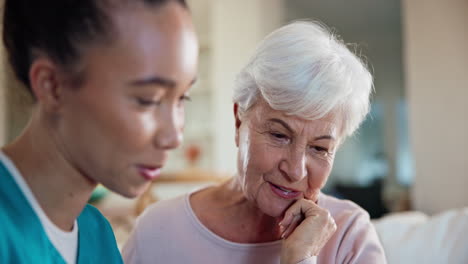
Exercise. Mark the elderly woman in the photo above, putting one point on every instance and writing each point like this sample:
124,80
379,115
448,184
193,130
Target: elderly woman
110,78
300,96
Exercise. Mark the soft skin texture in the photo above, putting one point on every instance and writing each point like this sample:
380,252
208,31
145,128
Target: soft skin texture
126,114
285,151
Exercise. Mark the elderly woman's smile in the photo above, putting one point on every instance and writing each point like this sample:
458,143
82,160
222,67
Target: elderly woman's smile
284,192
283,158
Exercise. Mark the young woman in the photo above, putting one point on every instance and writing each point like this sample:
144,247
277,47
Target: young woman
109,78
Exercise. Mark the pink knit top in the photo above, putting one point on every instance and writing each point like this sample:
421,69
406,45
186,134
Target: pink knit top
170,232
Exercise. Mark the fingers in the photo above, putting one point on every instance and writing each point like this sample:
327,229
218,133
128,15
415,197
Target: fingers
295,215
296,220
308,211
307,228
300,208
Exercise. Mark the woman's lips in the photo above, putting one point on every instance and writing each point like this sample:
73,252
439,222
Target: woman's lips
284,192
149,172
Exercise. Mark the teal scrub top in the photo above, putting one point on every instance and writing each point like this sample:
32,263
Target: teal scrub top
23,239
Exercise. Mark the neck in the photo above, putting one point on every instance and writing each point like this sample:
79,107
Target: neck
60,189
256,226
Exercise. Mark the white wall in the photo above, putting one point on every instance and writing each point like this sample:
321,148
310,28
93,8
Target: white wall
236,28
436,49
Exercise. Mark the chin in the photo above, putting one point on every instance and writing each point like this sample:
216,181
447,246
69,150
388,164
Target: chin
274,214
129,195
274,210
131,192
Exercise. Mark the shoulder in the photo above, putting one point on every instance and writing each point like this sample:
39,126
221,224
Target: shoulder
165,207
343,210
164,219
92,216
94,225
352,221
155,229
355,238
163,212
100,244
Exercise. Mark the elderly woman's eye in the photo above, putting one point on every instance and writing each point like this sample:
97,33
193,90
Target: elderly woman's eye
279,137
321,150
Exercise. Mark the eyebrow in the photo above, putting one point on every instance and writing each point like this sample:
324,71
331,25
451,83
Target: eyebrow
285,125
160,81
325,137
281,122
154,81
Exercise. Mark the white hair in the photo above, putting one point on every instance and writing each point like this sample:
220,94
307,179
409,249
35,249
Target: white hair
304,70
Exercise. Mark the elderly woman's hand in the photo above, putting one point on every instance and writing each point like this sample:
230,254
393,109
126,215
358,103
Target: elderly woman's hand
306,229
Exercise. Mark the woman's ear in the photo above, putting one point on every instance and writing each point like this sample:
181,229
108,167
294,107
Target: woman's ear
237,122
44,81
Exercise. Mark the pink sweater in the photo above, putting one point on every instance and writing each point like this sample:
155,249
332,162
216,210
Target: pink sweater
170,232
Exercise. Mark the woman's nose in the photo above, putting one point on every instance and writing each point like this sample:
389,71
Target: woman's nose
169,134
294,166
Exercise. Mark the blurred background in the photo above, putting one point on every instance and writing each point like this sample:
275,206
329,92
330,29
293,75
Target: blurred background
410,153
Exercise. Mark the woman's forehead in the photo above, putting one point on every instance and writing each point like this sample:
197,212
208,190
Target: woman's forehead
264,115
146,48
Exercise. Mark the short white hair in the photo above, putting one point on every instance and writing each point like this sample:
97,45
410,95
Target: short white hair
304,70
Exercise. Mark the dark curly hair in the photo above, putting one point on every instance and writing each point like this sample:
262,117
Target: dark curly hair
57,29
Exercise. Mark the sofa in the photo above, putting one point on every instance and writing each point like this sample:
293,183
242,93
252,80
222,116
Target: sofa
416,238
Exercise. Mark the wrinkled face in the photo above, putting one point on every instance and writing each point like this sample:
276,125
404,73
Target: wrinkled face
283,158
119,125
